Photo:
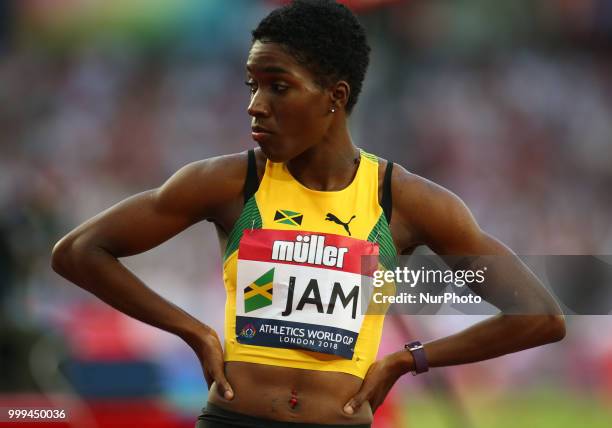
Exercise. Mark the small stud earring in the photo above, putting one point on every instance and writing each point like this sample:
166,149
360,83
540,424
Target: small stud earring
333,109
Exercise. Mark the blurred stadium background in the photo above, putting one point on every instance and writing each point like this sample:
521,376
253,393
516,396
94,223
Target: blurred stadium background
508,104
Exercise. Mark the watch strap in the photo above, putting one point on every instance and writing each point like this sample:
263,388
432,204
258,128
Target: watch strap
418,354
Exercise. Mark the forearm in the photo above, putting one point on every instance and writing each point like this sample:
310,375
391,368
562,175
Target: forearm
98,272
493,337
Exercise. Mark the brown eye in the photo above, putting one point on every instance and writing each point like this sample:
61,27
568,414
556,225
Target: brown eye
279,87
252,86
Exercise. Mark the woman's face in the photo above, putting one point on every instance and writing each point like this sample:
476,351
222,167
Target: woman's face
290,112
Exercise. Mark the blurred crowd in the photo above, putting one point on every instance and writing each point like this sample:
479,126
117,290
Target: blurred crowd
508,105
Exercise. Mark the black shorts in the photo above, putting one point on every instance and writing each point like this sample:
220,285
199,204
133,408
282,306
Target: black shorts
215,417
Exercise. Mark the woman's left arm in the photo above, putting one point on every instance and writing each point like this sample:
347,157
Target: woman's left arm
439,219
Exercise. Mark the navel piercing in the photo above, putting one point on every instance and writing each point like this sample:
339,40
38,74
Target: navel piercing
293,401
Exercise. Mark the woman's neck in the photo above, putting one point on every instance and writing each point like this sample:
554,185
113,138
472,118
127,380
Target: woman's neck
328,166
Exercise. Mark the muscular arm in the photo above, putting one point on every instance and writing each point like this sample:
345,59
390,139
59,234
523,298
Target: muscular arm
88,255
443,222
424,213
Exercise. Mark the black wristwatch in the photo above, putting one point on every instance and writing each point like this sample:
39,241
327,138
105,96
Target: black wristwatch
418,354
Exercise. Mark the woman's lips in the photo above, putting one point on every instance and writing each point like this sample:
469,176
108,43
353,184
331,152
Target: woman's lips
260,136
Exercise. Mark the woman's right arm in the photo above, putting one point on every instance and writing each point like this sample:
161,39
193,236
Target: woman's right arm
88,255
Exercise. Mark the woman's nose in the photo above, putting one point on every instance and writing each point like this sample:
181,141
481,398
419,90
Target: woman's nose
258,107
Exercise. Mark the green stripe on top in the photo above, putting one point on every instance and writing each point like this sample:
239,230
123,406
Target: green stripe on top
381,235
369,156
250,218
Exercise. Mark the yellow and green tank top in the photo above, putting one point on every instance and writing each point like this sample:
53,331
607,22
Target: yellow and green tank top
294,273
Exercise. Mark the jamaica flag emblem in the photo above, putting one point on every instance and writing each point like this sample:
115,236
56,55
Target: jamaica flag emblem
259,293
288,217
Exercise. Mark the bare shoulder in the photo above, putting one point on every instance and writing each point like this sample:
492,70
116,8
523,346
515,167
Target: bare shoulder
204,187
434,215
419,192
411,191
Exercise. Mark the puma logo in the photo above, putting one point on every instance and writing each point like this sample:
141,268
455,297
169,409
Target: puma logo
331,217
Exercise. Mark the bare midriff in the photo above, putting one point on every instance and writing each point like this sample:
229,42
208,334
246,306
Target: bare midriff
291,395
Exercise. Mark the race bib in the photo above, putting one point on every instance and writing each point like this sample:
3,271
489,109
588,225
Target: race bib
300,290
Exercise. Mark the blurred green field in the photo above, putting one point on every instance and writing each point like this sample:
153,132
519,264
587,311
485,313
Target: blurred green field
532,409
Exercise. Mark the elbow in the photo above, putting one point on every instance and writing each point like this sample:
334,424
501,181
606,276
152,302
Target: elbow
73,256
553,328
69,254
61,255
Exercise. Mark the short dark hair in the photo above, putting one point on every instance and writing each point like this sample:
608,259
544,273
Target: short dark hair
324,36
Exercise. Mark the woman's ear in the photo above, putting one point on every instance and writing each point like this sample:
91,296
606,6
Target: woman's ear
340,94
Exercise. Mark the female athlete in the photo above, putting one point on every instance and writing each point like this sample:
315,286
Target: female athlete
294,217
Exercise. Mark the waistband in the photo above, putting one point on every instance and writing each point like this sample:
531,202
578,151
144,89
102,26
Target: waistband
219,417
